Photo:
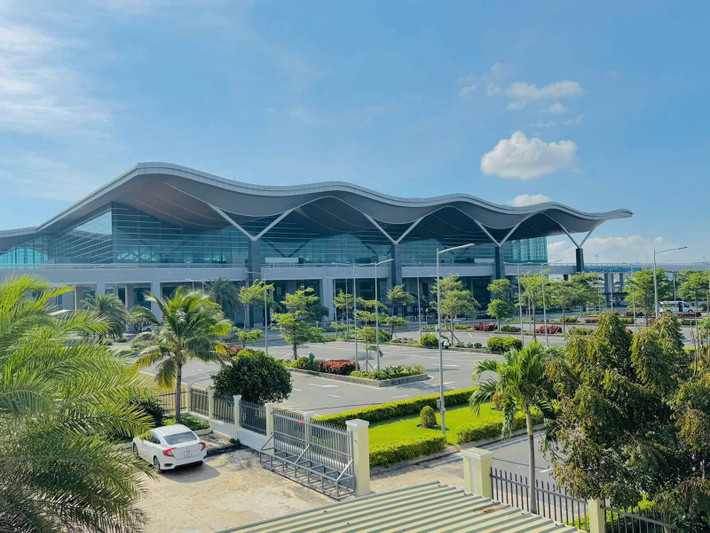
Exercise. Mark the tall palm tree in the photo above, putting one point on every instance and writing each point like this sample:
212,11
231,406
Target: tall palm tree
226,294
112,309
61,395
521,385
191,326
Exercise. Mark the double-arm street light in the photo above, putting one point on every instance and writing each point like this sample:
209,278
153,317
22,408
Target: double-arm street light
377,312
655,281
442,403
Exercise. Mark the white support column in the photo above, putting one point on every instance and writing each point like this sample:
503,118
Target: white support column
269,408
327,296
359,431
477,464
100,287
237,412
597,516
210,404
157,291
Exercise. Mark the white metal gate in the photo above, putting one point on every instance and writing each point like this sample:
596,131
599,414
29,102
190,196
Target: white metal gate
316,454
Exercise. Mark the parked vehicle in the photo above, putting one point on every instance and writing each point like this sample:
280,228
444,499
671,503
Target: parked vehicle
166,447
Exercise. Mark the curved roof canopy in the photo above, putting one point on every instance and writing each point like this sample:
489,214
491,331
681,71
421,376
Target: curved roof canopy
190,198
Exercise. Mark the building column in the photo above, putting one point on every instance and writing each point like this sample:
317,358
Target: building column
327,296
579,259
100,288
254,266
499,263
621,282
130,296
359,431
158,293
477,464
396,274
608,286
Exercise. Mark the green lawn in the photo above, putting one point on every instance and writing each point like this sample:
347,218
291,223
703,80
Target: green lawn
405,427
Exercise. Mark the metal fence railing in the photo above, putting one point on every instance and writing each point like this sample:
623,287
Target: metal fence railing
223,409
552,502
331,446
289,431
199,402
634,520
252,416
167,400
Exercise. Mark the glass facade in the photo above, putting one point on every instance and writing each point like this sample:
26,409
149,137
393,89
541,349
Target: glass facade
122,234
118,233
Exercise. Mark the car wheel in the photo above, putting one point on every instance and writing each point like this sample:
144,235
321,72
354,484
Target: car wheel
135,452
156,464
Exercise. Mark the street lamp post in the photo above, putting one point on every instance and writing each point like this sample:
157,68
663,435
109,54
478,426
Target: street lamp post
442,402
419,304
544,305
655,280
266,312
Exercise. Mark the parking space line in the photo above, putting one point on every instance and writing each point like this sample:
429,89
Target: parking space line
334,396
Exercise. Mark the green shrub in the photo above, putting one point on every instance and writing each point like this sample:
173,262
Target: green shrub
428,328
395,452
580,331
194,423
152,407
258,377
626,320
503,344
490,429
462,326
568,319
427,417
477,345
390,372
429,340
387,410
304,363
510,329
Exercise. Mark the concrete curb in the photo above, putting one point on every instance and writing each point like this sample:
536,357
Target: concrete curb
450,450
363,381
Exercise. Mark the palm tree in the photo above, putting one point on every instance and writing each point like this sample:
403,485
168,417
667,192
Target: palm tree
191,327
226,294
521,385
61,395
112,309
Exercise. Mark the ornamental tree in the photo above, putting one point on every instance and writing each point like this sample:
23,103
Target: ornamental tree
258,377
500,310
694,287
633,420
399,298
295,324
455,301
640,290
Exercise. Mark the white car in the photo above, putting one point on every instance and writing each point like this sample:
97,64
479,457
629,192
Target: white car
169,446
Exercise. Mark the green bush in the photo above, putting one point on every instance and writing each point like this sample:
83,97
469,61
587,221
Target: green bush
580,331
258,377
304,363
626,320
462,326
427,417
399,408
503,344
510,329
568,319
152,407
477,345
390,372
395,452
194,423
429,340
490,429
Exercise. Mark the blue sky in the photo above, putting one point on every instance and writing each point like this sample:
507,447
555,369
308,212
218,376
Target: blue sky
596,105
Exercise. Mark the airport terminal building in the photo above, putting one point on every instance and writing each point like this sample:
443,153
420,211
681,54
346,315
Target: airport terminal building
160,225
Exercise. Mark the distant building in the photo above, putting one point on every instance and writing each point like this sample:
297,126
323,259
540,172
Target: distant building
160,225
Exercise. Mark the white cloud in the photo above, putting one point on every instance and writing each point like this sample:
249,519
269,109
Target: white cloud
521,93
609,249
523,200
39,92
31,176
304,116
523,158
557,108
467,90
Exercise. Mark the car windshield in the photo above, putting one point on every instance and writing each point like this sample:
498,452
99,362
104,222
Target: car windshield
179,438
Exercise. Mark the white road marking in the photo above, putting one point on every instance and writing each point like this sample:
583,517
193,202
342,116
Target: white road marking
323,386
298,390
449,382
452,366
334,396
401,396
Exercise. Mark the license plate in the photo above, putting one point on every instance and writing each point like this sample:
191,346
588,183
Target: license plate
187,453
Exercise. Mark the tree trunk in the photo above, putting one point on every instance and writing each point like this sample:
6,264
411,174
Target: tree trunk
531,451
532,314
295,351
178,395
564,319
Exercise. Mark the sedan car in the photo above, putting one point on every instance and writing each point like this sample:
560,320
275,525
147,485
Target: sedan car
169,446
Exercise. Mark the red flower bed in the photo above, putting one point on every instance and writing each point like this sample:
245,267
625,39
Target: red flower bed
337,366
591,320
551,328
484,326
631,313
689,314
234,349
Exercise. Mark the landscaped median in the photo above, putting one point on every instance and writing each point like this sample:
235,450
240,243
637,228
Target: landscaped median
395,435
344,370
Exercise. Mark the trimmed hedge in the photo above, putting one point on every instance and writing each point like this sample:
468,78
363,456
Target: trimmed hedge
551,329
510,329
490,429
503,344
484,326
389,372
580,331
399,408
304,363
341,367
429,340
395,452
